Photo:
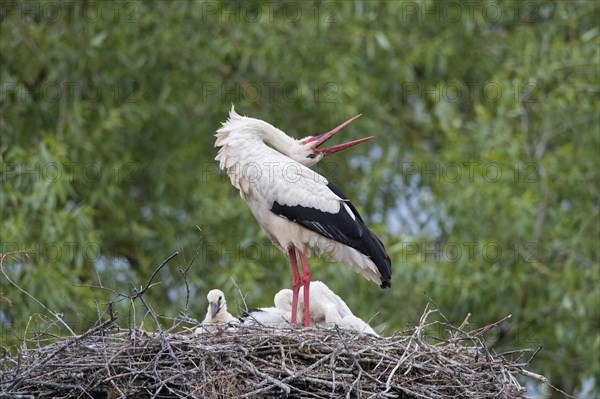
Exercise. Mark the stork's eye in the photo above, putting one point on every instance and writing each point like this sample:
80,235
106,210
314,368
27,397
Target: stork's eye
311,155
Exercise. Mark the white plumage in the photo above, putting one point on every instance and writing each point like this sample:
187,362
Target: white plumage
296,207
216,314
283,300
354,323
276,317
266,317
326,307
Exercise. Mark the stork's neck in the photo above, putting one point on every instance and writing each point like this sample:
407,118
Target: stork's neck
242,137
278,140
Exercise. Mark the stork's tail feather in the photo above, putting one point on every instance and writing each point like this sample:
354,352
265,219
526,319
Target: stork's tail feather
376,251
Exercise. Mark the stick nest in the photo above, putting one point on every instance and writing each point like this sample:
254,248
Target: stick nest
109,362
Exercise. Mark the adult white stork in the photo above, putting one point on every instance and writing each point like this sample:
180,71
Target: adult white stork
296,207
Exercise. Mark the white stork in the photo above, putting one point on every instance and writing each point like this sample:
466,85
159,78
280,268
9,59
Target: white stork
326,307
297,208
216,313
354,323
278,316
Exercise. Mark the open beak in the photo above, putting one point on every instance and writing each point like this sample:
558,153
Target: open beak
214,309
320,139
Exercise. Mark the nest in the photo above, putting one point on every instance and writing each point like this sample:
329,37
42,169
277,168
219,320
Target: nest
109,362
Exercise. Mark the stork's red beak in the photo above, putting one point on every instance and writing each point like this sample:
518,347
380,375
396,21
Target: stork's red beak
320,139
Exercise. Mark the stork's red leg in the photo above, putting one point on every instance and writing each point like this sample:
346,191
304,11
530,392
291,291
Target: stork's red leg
295,281
306,282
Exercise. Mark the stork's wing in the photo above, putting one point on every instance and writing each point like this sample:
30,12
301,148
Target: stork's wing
344,226
341,226
247,314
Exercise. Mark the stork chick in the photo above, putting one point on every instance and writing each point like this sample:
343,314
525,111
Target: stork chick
325,305
354,323
283,300
278,316
216,314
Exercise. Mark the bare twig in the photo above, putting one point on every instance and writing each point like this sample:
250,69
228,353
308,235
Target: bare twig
246,362
184,271
54,314
263,362
148,284
241,295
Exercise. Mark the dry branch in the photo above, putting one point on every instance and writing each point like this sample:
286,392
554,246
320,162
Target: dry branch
112,362
109,361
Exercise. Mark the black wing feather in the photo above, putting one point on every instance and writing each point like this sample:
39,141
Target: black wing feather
248,314
341,227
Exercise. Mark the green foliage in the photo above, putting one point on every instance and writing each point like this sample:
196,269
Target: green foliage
482,181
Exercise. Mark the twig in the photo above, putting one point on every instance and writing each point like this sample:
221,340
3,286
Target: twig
184,272
56,316
143,290
485,329
245,309
532,356
63,345
266,362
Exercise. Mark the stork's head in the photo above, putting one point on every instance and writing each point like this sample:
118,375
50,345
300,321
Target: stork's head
308,152
216,302
283,300
239,133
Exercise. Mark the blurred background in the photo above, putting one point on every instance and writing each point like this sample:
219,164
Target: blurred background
482,179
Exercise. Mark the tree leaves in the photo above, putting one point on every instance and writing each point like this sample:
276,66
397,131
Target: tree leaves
482,181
